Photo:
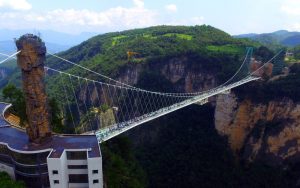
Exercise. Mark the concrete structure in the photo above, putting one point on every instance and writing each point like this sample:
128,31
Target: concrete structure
66,161
35,156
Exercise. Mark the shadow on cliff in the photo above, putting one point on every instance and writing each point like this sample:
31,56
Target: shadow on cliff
183,149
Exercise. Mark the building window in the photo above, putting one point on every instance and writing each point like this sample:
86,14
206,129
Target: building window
76,155
77,166
95,171
56,181
78,178
95,181
54,172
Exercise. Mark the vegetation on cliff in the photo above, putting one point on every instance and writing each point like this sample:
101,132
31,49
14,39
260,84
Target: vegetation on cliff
176,151
283,87
202,46
120,166
15,96
7,182
106,53
276,39
296,52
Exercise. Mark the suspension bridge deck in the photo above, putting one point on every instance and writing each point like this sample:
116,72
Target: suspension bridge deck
112,131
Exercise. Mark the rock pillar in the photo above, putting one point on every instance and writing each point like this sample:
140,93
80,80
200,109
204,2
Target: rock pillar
31,60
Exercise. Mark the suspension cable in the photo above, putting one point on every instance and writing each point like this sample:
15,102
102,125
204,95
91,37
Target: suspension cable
9,57
267,62
129,86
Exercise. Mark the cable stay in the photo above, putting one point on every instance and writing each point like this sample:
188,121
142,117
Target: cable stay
9,57
249,51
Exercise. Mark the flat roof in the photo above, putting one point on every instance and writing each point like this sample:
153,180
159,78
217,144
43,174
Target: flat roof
18,140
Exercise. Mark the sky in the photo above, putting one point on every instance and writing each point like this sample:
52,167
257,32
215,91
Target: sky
101,16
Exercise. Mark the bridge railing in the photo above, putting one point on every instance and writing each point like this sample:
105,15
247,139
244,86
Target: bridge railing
116,129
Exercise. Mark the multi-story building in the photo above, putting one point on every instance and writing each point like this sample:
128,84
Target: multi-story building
63,161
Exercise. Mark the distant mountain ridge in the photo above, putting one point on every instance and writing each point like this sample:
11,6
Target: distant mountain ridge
277,38
55,41
8,47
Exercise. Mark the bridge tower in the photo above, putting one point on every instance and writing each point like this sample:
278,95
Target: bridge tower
31,60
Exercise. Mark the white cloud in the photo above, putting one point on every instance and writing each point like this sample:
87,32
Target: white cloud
294,27
73,21
171,8
84,20
15,4
138,3
291,7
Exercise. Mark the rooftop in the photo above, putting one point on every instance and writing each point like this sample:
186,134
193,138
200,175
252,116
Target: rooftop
18,140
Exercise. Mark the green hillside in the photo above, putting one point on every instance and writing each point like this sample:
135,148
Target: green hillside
153,42
276,39
107,53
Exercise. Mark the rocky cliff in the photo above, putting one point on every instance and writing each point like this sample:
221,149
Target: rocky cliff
180,73
260,131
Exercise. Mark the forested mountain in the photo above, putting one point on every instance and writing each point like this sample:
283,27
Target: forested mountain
47,35
9,47
107,53
275,39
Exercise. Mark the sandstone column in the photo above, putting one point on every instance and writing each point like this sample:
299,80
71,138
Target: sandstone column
31,61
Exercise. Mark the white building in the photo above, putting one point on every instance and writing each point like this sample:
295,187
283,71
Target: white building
65,161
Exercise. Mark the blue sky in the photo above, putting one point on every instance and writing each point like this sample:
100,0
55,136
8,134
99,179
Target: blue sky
75,16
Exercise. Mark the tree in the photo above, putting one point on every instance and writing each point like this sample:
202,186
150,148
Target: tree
56,116
16,98
7,182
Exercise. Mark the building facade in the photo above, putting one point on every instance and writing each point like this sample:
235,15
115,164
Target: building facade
65,161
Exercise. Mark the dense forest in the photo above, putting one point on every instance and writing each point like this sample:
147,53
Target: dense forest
7,182
275,40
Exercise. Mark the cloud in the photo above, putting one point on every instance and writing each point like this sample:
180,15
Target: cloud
84,20
138,3
114,17
15,4
291,7
171,8
294,27
74,21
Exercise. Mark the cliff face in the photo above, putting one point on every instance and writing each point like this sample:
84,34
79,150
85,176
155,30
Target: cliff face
187,78
4,72
268,132
183,75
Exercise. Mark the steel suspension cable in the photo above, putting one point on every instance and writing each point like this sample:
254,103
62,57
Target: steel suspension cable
116,81
67,98
9,57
